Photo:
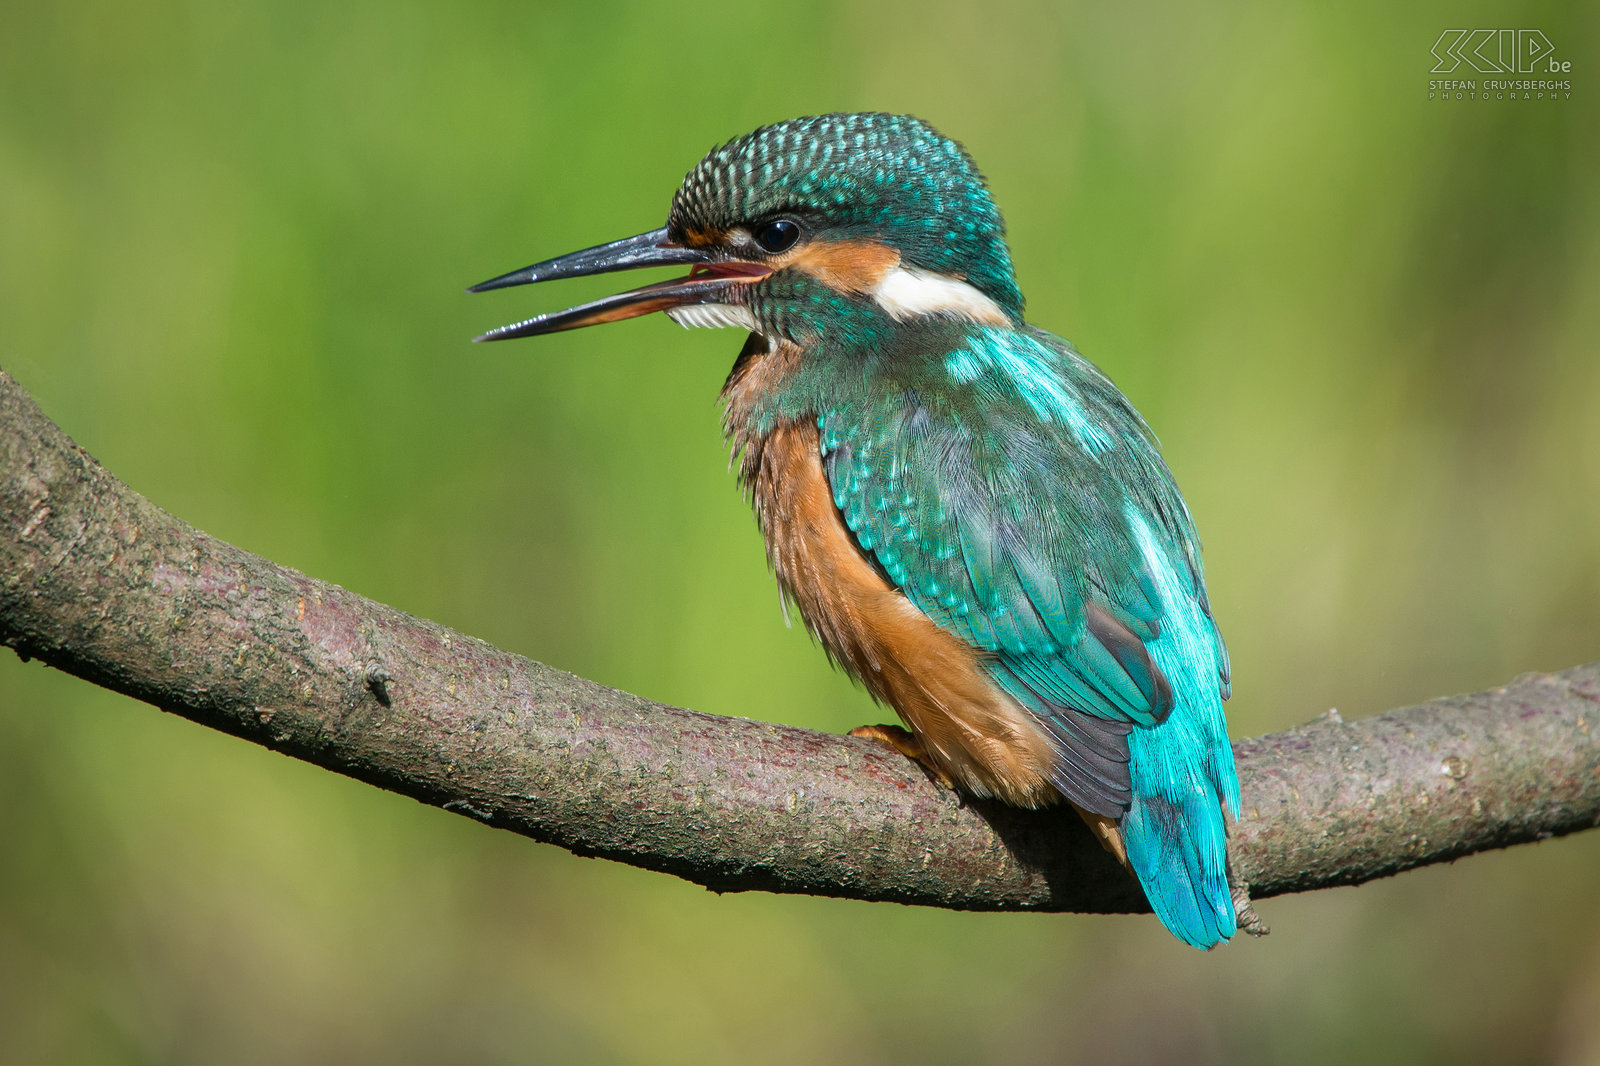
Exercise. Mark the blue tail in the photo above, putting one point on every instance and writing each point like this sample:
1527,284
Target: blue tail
1175,834
1182,769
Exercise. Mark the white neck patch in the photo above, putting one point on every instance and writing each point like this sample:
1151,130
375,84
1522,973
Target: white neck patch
713,316
906,293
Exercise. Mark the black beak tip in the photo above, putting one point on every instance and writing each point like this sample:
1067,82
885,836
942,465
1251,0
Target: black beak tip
645,250
651,249
505,281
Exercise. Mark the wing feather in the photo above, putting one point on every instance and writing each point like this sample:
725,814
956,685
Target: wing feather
998,504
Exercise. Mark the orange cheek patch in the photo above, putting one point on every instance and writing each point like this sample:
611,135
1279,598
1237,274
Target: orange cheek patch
704,238
848,266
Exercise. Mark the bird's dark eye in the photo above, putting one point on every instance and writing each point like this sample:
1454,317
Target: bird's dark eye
777,236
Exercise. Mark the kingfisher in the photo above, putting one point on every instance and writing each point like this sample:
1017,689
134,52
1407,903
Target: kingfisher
970,517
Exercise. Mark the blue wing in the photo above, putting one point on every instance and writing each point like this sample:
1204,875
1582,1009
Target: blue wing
1013,494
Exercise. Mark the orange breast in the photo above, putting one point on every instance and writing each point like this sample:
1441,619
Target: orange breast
979,736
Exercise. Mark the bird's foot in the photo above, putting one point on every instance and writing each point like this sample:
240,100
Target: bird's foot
1243,912
908,744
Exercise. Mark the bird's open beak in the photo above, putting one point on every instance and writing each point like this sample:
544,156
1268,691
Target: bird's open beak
710,280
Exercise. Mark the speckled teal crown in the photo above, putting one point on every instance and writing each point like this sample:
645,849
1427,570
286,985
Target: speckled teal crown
889,177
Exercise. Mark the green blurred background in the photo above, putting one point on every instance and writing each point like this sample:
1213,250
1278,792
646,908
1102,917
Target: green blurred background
233,240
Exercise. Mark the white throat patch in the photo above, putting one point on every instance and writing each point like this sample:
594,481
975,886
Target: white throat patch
906,292
713,316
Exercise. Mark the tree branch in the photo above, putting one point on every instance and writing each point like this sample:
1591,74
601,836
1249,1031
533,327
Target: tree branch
100,583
